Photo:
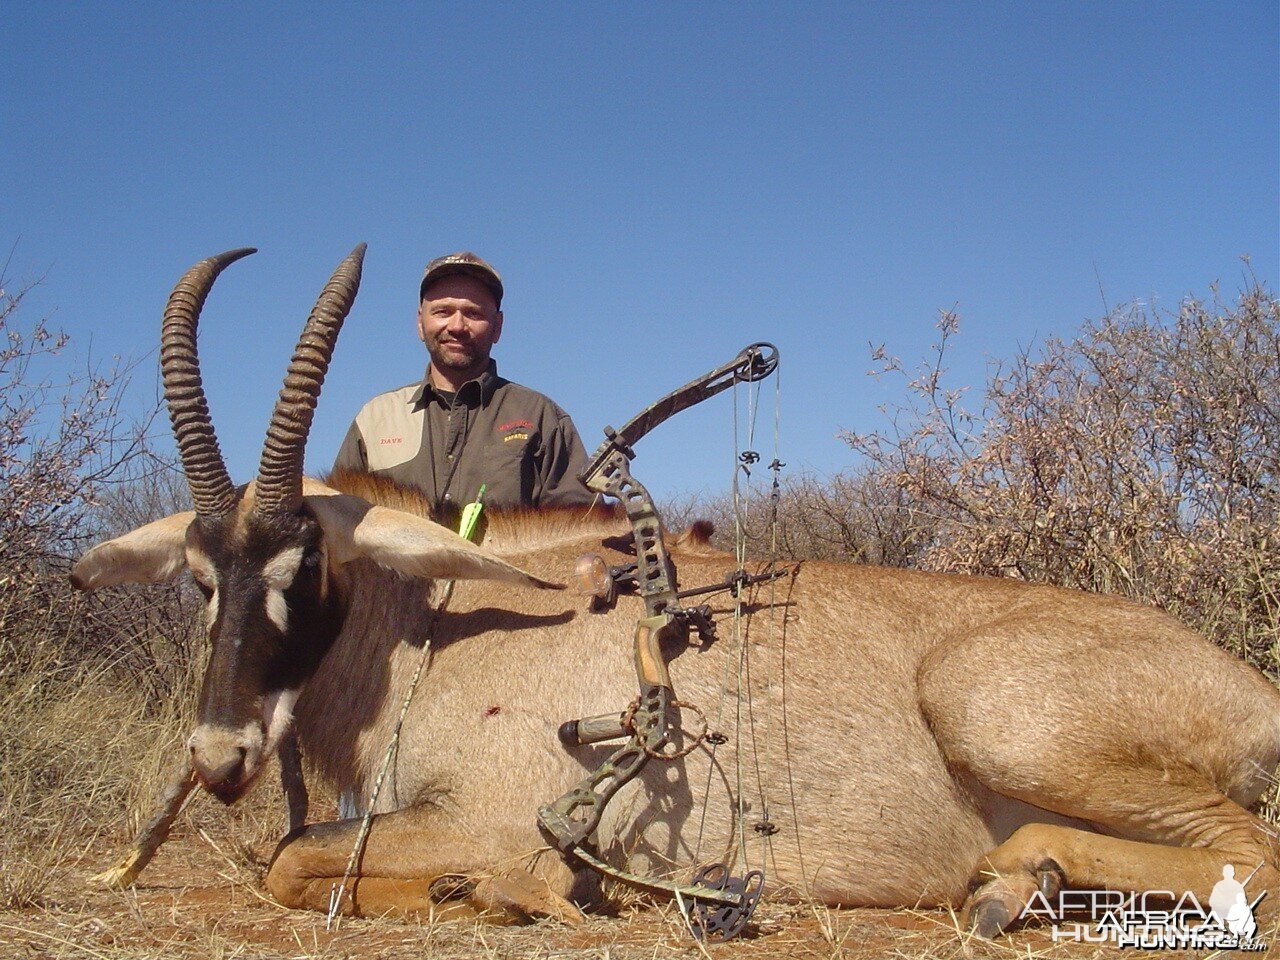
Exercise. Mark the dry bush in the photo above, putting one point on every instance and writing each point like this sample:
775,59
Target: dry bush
90,688
855,516
1138,458
64,448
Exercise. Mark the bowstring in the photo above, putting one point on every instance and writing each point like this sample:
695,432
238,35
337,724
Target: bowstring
729,663
743,655
743,534
742,641
774,639
777,639
780,639
740,656
786,743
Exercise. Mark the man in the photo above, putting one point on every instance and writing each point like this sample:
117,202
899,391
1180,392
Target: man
462,425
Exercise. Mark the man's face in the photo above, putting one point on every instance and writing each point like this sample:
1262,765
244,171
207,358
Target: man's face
459,321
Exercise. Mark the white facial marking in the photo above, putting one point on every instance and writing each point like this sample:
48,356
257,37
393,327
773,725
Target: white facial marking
280,570
211,614
277,715
201,566
277,609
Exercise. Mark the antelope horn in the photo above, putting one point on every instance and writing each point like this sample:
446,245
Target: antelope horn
211,489
279,488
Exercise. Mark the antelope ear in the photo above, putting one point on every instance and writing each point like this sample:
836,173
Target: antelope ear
151,554
414,546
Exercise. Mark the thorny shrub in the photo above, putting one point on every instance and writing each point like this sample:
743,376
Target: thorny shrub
73,469
84,682
1140,457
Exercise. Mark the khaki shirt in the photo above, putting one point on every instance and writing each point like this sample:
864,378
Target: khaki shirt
495,432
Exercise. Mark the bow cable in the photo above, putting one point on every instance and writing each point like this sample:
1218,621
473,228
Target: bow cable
738,659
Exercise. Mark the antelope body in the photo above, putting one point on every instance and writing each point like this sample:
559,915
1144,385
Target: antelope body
947,739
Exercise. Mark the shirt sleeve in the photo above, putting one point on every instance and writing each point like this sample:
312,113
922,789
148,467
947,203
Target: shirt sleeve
351,455
563,458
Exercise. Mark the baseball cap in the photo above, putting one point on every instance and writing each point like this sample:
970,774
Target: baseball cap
465,263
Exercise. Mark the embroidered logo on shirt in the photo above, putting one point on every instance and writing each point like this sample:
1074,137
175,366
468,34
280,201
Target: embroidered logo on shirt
387,441
523,424
515,436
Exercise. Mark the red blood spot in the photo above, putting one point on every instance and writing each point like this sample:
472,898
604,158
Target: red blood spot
493,711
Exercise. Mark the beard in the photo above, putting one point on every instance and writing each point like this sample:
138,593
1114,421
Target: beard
458,355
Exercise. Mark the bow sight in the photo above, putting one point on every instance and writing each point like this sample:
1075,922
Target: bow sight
720,904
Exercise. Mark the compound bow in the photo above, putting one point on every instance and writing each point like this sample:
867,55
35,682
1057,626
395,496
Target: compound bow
720,903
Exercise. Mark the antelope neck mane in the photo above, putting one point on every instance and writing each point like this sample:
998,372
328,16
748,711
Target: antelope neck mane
508,530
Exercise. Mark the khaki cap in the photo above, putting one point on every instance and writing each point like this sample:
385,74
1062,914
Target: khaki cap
465,263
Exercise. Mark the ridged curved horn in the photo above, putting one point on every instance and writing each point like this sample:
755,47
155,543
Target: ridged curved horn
279,488
211,489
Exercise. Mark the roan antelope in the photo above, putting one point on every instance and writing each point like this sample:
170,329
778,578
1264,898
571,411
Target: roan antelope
953,739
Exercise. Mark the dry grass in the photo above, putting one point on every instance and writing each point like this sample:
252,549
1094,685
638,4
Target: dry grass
191,906
95,693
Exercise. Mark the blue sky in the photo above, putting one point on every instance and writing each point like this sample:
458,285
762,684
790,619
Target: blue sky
659,184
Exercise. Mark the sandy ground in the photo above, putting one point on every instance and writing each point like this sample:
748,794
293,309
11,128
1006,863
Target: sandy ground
198,899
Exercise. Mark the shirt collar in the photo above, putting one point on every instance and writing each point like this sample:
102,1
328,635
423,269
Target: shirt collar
475,392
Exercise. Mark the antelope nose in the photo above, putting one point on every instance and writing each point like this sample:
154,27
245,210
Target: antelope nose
224,766
218,756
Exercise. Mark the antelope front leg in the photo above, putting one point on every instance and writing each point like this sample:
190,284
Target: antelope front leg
152,835
154,832
292,781
415,866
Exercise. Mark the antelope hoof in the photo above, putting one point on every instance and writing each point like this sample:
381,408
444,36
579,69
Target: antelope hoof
120,876
988,918
527,898
1050,878
451,886
992,908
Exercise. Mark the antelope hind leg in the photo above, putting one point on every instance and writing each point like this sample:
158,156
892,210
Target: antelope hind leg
1122,720
415,866
1168,829
1049,857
